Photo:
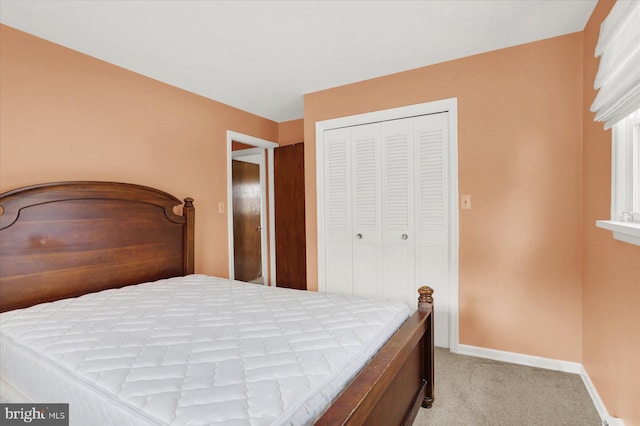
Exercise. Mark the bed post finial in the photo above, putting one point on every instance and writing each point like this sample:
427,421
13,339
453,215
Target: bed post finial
426,297
188,202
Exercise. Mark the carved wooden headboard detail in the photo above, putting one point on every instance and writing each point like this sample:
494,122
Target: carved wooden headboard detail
65,239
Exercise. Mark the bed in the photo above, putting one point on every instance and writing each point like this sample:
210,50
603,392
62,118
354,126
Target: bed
85,240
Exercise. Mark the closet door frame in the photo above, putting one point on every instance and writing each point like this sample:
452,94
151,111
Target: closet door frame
449,105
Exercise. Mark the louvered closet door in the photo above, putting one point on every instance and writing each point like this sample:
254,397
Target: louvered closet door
386,211
367,204
398,210
337,202
431,207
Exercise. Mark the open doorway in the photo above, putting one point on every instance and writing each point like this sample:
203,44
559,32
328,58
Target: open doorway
248,183
250,209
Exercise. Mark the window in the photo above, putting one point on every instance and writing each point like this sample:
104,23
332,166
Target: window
625,180
626,169
617,104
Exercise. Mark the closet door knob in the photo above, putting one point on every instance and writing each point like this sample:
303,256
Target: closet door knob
359,236
405,236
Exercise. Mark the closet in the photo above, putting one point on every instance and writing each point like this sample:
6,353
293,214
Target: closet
385,210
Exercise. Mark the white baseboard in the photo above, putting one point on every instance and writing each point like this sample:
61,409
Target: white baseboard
548,364
597,401
521,359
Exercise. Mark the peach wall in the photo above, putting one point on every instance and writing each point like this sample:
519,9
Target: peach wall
520,158
533,279
290,132
68,116
611,289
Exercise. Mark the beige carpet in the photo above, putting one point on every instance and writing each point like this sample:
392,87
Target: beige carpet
476,391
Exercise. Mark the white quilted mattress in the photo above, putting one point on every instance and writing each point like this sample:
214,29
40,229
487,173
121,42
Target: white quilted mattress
196,350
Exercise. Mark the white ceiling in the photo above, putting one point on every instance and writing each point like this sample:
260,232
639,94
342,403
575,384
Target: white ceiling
263,56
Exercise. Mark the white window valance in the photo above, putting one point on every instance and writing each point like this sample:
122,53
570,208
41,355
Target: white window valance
618,77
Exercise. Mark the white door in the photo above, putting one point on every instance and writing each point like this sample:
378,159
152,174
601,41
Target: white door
398,211
432,227
386,211
338,245
367,203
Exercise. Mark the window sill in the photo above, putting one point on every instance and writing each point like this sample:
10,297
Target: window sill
629,232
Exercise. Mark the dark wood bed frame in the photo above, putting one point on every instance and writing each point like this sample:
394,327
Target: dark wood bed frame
61,240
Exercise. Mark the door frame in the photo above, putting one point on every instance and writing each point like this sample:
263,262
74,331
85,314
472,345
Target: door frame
261,145
449,105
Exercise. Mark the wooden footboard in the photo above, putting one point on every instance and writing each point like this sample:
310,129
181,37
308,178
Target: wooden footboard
397,381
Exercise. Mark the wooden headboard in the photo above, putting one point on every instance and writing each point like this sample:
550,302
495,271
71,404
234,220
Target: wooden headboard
65,239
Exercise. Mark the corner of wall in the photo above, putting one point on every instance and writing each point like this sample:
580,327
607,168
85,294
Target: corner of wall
291,132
